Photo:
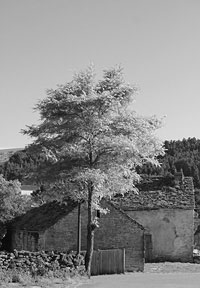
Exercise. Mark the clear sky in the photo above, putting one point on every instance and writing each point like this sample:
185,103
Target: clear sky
43,42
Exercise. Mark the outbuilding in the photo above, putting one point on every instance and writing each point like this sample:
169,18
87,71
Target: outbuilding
167,214
54,226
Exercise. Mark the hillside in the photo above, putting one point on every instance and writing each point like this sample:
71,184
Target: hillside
180,155
5,154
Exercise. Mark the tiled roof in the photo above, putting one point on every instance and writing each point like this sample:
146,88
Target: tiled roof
180,196
43,217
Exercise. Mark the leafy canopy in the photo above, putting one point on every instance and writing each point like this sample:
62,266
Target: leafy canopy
92,135
12,203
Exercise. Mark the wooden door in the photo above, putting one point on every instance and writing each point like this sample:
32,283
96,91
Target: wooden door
148,247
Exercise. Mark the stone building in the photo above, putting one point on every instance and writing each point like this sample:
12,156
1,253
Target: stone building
54,227
167,214
197,220
197,238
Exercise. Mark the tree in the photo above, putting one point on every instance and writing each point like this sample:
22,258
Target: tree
22,164
90,130
12,203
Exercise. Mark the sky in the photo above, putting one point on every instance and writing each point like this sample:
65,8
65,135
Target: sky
157,42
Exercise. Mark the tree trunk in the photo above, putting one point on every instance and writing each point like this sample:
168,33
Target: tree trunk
90,234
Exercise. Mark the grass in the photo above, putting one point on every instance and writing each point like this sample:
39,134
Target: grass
63,277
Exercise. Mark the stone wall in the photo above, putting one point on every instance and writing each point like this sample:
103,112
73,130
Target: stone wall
172,232
38,263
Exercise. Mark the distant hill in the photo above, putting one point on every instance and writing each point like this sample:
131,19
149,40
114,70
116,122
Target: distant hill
181,155
5,154
18,163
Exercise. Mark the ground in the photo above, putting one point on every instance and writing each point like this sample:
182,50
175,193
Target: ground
156,275
151,280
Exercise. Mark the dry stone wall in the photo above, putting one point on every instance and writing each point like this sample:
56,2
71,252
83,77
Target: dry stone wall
40,262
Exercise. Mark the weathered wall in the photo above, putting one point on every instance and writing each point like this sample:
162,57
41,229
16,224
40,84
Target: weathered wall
60,237
25,240
197,240
63,235
196,231
172,232
116,230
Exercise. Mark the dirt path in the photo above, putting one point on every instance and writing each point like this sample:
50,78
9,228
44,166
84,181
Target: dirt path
142,280
156,275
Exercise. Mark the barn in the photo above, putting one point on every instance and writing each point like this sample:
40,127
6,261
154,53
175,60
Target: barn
167,214
54,226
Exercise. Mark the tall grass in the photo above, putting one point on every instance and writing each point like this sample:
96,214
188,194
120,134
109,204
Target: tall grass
38,277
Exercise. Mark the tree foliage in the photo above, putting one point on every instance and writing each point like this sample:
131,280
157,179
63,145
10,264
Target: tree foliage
90,130
23,164
12,203
95,140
